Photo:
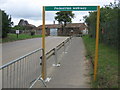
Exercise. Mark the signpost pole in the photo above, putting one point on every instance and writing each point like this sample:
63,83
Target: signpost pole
97,43
17,35
43,47
17,32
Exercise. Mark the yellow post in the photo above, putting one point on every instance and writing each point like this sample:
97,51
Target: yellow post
43,47
97,43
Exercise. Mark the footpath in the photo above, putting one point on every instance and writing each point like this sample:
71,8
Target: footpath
73,71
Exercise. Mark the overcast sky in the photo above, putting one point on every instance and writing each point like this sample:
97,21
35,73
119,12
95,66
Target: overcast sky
31,10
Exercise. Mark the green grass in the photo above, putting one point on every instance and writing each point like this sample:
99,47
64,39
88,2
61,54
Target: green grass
13,37
107,75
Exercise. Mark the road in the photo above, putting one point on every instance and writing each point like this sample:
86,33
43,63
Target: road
14,50
72,72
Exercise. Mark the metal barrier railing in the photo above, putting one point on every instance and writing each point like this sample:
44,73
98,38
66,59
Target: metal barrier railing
26,70
21,72
56,49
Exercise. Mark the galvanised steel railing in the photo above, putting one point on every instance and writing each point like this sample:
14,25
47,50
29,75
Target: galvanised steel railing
26,70
21,72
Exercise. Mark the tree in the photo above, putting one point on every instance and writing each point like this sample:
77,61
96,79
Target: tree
17,27
109,18
6,24
64,17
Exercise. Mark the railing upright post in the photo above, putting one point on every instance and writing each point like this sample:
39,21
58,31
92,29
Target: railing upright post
64,46
69,41
56,60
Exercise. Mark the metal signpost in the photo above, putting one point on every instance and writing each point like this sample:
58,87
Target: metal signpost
70,8
43,46
17,32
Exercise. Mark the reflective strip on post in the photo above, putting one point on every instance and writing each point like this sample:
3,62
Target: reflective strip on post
97,43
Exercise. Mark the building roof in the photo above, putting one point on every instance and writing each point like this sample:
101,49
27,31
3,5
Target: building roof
71,25
75,25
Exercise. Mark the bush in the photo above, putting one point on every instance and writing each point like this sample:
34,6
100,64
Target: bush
32,33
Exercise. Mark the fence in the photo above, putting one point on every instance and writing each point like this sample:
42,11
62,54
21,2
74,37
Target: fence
26,70
21,72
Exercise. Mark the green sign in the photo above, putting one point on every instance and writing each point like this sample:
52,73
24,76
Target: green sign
70,8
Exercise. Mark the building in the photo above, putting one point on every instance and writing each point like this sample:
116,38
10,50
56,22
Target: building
69,29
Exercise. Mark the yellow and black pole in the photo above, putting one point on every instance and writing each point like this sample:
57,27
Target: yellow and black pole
43,46
97,43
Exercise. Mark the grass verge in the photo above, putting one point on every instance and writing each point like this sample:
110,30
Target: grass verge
107,75
13,37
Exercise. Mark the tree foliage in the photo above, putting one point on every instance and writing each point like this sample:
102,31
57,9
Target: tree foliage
64,17
109,18
6,24
17,27
26,27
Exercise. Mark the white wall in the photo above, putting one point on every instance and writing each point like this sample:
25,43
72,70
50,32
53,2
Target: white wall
85,31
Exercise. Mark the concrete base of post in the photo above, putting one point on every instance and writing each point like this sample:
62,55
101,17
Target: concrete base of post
47,79
65,52
56,65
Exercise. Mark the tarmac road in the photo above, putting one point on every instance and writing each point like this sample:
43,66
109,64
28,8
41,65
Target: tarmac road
72,73
14,50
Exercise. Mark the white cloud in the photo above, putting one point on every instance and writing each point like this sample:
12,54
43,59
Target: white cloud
32,9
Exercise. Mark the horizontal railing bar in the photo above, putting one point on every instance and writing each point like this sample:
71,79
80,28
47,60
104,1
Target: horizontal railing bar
50,54
9,63
60,45
50,51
